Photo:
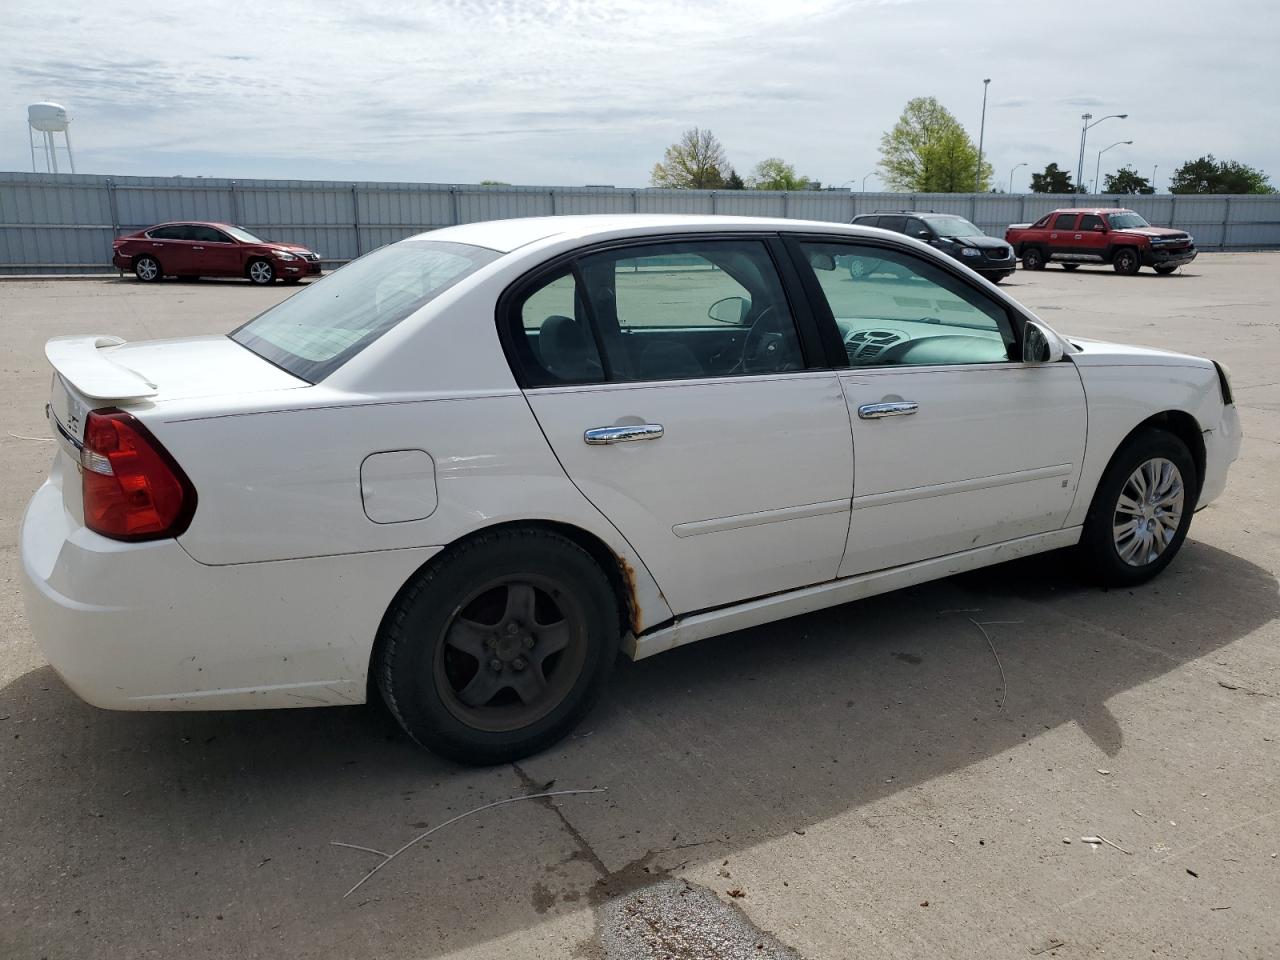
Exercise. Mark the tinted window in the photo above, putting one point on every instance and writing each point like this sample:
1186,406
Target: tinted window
319,328
176,232
207,235
897,224
868,221
913,228
1064,221
1090,221
898,309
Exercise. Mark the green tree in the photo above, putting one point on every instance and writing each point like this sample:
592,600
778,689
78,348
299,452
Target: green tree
776,174
733,181
1209,175
928,151
1052,180
693,162
1126,180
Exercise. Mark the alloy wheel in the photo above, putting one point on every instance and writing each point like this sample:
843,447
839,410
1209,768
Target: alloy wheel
260,272
1148,512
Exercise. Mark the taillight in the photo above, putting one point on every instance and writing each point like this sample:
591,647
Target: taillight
133,488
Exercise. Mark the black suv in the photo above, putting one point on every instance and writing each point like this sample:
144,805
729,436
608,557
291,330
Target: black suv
989,256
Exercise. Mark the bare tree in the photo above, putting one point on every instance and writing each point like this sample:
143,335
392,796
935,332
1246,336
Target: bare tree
694,162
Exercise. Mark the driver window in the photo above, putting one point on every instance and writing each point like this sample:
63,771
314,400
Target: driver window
893,308
710,308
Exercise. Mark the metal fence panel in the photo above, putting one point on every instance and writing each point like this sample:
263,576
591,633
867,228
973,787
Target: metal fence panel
63,223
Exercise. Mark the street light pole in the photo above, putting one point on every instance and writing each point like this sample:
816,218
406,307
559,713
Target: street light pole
1011,173
864,183
1084,132
982,130
1154,188
1098,168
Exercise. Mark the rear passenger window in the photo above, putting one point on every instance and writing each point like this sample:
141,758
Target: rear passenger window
1064,221
558,345
168,233
896,224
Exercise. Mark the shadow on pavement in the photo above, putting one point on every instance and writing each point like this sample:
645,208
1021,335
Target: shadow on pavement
210,831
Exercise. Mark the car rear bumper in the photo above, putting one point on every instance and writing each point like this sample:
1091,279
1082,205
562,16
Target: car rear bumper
121,262
143,626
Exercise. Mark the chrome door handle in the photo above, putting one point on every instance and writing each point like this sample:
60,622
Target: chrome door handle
640,431
197,248
899,408
1079,236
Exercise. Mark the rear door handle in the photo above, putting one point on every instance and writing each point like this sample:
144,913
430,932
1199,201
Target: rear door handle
597,436
197,248
898,408
1079,236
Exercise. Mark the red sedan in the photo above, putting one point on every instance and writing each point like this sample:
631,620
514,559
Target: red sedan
211,250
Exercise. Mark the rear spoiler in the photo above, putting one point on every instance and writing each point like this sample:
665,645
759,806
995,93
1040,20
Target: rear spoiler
82,363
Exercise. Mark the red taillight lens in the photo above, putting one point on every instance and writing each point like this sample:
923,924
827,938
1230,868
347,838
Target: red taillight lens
133,489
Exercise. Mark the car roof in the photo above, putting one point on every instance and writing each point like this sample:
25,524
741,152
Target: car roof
508,235
190,223
1091,210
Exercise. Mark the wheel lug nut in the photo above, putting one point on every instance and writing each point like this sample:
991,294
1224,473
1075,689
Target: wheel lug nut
518,663
512,628
495,665
528,643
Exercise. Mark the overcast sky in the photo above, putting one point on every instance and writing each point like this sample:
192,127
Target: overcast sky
575,92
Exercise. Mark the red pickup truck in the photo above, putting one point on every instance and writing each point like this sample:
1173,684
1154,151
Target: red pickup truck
1116,236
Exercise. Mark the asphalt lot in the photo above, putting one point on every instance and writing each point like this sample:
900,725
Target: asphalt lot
855,783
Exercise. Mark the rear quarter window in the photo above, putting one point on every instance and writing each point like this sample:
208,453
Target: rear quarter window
328,322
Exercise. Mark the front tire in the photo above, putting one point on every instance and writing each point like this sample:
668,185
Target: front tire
1141,511
261,272
147,269
1125,262
1070,266
500,646
1033,259
1165,270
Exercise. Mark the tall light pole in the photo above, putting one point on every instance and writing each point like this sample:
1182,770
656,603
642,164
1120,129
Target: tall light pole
982,130
1098,168
1084,132
1011,173
1154,188
864,183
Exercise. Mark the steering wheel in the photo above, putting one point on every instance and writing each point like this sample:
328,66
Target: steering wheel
760,342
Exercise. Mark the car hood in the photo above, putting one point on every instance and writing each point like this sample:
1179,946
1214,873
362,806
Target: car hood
1160,233
982,243
1103,353
293,247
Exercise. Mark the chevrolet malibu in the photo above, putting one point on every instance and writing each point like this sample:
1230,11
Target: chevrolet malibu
467,469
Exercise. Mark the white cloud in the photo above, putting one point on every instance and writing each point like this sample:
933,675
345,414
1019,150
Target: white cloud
574,91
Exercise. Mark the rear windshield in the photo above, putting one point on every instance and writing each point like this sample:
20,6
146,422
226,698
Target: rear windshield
328,322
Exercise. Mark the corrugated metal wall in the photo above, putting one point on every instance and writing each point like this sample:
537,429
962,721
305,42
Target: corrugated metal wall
64,223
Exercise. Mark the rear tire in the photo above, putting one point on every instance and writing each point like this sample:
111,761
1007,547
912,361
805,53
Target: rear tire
147,269
1071,266
1033,259
261,272
1165,271
499,647
1125,261
1141,510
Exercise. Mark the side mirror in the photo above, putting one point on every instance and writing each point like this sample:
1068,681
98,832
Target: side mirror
924,234
1101,228
822,261
1039,345
729,310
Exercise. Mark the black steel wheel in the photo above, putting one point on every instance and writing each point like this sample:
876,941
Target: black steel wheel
500,646
1033,259
1125,261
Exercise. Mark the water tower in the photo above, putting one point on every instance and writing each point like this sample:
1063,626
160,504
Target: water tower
48,119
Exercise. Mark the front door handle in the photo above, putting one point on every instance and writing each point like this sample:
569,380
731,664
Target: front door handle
897,408
641,431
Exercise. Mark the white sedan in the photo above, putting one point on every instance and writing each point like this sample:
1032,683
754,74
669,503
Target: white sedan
470,467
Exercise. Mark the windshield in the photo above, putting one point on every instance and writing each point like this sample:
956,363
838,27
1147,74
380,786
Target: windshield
1122,221
243,235
322,327
954,227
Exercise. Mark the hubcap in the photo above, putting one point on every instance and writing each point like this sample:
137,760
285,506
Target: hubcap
511,653
1148,512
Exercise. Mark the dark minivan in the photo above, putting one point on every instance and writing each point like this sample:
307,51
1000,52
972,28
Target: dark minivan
989,256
